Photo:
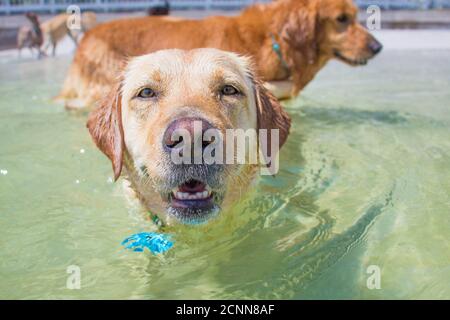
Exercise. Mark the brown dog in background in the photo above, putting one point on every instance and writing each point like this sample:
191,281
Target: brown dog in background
308,33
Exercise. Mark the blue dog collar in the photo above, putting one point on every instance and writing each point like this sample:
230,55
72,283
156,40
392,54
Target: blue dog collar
277,49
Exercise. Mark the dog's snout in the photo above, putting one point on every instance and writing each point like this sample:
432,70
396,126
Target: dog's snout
186,128
375,46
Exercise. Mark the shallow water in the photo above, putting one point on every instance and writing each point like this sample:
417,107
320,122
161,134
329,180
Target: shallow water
364,181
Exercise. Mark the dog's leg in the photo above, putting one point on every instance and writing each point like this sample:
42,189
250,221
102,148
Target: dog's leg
42,53
54,49
74,38
45,46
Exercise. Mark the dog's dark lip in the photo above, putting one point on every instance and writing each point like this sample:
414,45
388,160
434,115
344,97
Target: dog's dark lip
191,203
353,62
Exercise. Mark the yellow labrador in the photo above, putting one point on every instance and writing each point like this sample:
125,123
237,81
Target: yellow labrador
161,100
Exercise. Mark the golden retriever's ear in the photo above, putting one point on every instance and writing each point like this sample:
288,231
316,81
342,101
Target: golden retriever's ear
300,32
270,115
105,127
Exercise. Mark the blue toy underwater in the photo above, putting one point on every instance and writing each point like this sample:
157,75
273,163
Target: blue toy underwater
155,242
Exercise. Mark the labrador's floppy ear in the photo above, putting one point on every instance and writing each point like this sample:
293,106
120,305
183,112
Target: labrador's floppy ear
105,126
270,115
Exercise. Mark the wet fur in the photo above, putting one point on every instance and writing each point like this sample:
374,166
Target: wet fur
128,130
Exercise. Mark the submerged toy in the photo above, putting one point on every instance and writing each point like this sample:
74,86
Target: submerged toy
155,242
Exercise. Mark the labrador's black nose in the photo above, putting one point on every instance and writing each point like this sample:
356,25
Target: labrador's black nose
186,128
375,46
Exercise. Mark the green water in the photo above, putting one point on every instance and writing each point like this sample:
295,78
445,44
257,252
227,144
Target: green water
364,180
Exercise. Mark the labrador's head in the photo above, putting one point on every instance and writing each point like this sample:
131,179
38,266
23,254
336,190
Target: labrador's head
172,105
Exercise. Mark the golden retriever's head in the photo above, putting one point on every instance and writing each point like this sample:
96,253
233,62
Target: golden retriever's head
166,120
343,36
324,29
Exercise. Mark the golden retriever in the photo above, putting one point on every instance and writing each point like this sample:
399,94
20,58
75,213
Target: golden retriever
173,90
288,39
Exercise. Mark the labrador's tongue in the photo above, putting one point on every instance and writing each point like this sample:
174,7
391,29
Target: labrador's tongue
192,186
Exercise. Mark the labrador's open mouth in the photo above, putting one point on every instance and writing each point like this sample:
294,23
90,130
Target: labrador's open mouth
353,62
192,193
193,202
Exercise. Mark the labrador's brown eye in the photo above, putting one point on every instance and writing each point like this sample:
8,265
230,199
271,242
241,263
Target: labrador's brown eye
343,18
147,93
229,90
